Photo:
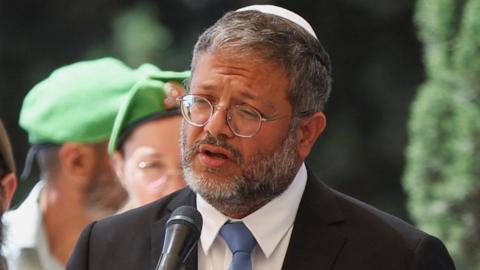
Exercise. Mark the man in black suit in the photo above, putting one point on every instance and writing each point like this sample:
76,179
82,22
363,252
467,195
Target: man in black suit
260,81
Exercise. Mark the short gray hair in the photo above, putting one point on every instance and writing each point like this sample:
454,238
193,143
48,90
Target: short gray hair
274,38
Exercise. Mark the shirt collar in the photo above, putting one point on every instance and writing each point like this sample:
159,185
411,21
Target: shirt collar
269,224
28,218
29,232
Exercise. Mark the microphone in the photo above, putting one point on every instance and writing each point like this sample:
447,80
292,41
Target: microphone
181,234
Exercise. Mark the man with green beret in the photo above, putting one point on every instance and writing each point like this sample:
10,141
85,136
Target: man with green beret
145,136
68,118
8,180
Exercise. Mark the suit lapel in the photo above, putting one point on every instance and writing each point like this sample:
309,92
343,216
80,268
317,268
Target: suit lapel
316,239
184,197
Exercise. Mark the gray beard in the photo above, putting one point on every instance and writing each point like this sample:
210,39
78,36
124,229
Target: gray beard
263,177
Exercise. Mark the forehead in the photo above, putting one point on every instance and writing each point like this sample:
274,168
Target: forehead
159,134
244,75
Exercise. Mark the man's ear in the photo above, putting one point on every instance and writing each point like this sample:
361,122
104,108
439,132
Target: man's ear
9,185
77,160
308,131
118,164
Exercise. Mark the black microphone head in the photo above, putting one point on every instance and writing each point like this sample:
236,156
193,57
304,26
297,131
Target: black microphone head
187,215
182,232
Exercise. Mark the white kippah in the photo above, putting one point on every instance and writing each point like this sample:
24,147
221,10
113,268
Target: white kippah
284,13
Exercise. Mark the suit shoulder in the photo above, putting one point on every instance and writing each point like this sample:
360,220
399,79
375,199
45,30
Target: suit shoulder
386,234
141,217
376,223
129,240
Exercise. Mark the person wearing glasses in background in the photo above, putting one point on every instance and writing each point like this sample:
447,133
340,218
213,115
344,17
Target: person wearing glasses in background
145,136
68,118
8,182
260,82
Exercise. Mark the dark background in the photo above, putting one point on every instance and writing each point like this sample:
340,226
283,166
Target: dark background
373,46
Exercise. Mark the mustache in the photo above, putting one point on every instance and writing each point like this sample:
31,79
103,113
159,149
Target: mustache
218,142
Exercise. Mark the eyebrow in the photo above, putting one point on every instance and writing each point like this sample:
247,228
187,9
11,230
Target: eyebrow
242,93
206,86
248,95
211,87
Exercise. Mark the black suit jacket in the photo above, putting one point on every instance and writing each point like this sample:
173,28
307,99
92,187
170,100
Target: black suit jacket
331,231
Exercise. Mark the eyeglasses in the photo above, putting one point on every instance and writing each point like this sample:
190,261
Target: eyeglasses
153,170
244,120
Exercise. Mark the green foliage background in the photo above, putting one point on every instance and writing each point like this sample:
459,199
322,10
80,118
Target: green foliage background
442,176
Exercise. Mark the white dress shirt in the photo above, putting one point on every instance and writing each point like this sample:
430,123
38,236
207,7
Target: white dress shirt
26,244
271,225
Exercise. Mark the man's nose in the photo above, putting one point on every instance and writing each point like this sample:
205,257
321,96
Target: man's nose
218,125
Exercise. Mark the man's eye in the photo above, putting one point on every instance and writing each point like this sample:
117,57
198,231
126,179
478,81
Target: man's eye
246,113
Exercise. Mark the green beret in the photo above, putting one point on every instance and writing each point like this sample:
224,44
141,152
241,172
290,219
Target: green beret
151,98
6,155
78,102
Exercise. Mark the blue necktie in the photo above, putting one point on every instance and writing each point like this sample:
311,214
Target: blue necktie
241,242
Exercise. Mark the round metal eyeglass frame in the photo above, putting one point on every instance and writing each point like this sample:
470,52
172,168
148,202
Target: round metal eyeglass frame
184,108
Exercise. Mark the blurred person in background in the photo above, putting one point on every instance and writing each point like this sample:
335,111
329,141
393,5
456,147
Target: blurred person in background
8,182
145,139
68,118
